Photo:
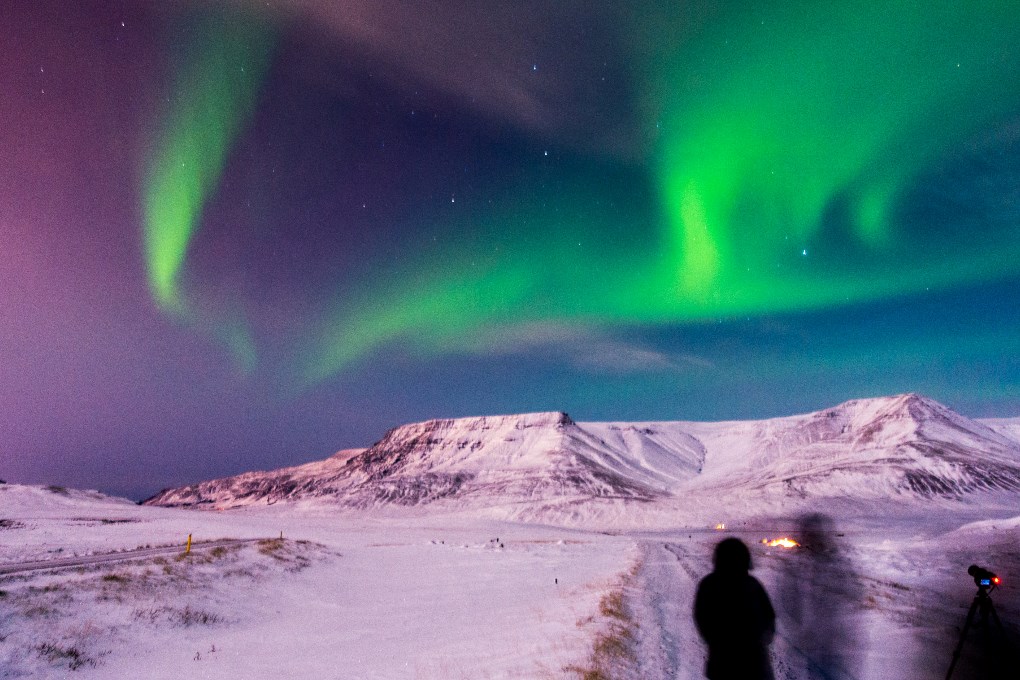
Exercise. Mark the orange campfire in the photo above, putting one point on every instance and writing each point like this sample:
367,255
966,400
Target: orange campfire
780,542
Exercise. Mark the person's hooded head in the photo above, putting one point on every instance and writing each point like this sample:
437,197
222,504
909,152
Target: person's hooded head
732,557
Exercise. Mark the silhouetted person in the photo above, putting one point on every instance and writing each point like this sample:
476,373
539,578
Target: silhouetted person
734,617
821,594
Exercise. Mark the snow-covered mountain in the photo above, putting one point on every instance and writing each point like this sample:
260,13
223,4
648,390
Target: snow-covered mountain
906,446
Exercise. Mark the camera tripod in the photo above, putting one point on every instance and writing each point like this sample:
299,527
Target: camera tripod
982,603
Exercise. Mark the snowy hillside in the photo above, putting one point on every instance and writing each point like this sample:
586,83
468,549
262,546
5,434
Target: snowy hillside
57,500
905,446
301,481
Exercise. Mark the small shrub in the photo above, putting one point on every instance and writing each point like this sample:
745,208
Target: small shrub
240,572
115,578
190,617
178,617
75,657
270,546
39,610
62,490
150,615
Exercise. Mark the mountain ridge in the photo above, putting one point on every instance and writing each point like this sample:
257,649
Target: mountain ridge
903,446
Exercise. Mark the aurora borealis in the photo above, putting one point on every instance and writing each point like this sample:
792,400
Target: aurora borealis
244,236
220,74
848,109
810,135
216,90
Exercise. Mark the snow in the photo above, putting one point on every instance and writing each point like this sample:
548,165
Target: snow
386,570
1006,427
544,467
359,595
362,598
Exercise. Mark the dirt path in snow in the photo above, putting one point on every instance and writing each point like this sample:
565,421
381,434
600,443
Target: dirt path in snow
87,560
668,646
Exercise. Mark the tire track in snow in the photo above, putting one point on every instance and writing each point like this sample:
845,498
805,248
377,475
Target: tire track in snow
683,557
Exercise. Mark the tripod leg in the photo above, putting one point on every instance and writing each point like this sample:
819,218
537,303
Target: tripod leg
1006,653
995,617
963,637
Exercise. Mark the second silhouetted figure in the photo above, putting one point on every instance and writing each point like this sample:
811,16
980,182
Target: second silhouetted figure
735,617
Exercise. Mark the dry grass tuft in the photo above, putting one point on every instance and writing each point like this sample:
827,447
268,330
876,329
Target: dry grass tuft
270,545
611,606
613,647
178,617
74,657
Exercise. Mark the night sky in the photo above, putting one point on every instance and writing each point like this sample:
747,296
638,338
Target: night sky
243,235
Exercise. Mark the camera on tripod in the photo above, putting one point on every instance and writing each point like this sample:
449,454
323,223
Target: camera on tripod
982,577
982,605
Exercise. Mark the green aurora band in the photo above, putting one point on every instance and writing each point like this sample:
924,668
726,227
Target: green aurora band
800,133
214,94
813,126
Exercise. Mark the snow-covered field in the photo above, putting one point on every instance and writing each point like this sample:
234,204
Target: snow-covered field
356,595
531,546
339,597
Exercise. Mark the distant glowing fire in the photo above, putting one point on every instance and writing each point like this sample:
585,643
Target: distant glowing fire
780,542
720,527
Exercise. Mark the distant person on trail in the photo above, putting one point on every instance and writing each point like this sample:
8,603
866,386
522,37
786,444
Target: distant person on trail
735,617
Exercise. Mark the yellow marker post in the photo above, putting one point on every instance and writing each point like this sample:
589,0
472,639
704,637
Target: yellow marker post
187,550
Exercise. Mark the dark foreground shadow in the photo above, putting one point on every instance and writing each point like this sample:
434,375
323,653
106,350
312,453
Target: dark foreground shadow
819,597
734,617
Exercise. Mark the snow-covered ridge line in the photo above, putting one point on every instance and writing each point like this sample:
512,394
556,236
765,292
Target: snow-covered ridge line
904,446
